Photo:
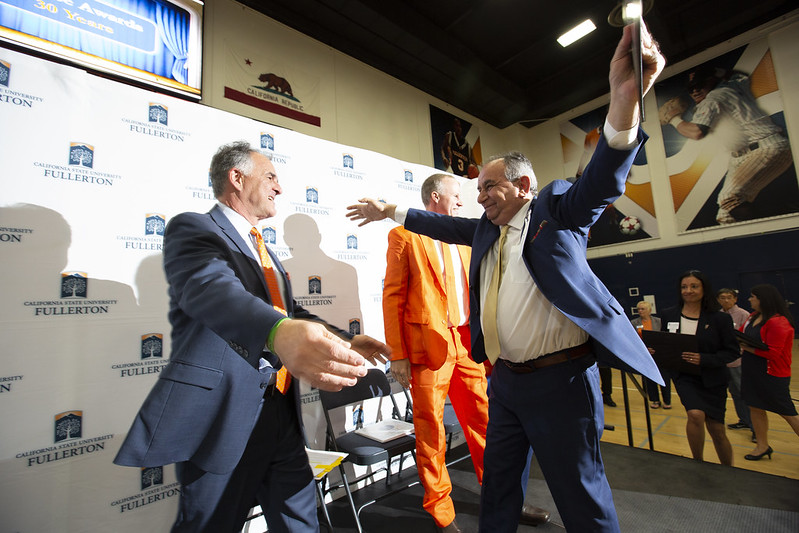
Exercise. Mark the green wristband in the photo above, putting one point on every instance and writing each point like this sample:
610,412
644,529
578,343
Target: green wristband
270,341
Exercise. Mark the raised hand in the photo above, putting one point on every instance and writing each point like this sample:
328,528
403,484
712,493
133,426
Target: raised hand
370,210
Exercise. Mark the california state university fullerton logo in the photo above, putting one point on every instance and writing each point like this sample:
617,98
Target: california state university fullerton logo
314,285
268,141
346,169
68,425
154,224
269,234
152,345
158,113
406,183
73,299
156,125
152,490
81,154
5,73
74,285
152,476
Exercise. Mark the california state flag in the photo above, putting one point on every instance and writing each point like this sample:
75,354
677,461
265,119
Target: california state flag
259,81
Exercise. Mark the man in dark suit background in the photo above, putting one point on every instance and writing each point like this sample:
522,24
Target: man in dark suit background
215,410
552,319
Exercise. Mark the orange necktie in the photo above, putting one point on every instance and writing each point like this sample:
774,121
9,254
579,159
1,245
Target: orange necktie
449,285
283,379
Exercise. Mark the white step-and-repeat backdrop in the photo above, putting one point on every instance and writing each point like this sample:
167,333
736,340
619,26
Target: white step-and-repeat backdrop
91,172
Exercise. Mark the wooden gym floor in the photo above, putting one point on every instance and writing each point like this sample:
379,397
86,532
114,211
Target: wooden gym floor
668,429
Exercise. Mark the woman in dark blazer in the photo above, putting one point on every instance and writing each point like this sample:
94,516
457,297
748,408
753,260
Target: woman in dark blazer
704,396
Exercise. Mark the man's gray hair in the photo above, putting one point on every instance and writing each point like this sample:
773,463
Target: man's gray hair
432,184
229,156
516,166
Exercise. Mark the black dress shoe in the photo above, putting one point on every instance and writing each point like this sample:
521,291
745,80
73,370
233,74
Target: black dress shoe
451,528
753,457
737,425
607,400
533,516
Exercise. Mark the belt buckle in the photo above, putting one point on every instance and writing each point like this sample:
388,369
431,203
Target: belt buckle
520,368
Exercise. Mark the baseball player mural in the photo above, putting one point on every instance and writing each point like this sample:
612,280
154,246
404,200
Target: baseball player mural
728,154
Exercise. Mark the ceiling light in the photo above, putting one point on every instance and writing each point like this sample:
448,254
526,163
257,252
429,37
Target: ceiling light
578,32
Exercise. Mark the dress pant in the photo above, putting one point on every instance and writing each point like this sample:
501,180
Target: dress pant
734,384
658,393
465,383
558,411
273,472
606,381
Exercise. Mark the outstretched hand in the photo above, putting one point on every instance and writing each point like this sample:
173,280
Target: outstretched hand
372,349
370,210
623,111
315,355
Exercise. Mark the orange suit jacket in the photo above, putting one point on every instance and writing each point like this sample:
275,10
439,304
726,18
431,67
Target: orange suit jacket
414,299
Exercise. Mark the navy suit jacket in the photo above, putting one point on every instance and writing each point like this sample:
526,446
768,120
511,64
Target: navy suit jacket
206,401
555,255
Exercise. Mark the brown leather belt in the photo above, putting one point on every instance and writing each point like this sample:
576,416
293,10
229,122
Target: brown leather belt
549,359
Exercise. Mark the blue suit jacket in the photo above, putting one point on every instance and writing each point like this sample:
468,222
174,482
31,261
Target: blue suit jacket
555,255
206,401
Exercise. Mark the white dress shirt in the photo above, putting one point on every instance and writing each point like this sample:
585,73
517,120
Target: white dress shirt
529,326
243,227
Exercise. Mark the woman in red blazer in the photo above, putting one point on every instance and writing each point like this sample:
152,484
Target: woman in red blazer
766,374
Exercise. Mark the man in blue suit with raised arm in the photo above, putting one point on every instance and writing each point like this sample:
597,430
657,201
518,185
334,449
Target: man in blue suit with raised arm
224,409
541,316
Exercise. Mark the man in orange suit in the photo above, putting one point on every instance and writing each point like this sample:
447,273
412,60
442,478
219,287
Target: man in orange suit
426,317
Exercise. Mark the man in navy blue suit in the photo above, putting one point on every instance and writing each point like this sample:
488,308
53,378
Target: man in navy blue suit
217,409
552,318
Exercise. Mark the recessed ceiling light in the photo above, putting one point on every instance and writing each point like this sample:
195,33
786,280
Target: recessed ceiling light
578,32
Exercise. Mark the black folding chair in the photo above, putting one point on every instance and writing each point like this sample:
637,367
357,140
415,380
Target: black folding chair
364,451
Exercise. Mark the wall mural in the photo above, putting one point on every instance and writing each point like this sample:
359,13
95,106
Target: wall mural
728,157
632,216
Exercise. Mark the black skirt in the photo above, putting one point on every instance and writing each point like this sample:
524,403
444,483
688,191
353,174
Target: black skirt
762,390
694,395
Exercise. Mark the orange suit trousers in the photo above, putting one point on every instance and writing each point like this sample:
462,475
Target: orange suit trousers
465,383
